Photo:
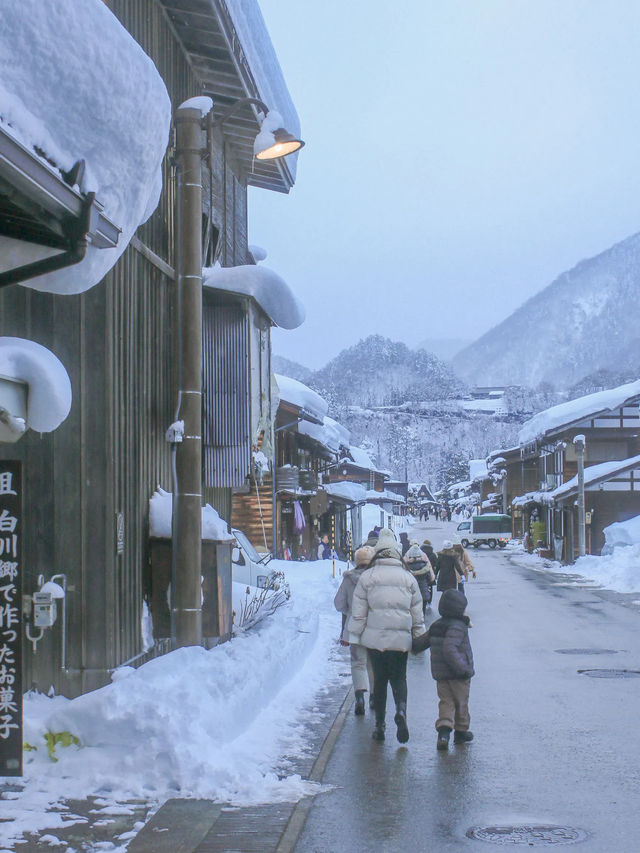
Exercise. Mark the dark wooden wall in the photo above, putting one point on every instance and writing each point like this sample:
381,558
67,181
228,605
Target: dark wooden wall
116,342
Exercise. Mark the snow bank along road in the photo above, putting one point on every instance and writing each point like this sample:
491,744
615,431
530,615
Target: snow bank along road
195,723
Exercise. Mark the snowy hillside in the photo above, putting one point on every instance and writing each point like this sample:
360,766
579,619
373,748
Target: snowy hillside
583,322
287,367
380,372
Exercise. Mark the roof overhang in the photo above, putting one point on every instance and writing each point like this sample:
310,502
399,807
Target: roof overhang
38,206
222,63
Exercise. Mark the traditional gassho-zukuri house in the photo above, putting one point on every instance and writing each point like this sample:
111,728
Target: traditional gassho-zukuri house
541,485
98,139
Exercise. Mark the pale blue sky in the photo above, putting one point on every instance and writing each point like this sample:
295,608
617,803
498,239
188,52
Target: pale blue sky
460,154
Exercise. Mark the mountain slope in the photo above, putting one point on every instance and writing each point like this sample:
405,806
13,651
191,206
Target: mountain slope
585,321
380,372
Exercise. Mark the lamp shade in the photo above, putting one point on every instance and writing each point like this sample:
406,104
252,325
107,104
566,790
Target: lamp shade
274,141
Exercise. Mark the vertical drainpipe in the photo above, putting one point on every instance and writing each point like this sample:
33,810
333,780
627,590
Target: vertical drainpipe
188,521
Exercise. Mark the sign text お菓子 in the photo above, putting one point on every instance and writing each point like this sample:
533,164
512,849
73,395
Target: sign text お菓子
10,619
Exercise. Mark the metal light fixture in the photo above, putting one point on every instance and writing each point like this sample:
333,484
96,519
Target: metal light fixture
273,140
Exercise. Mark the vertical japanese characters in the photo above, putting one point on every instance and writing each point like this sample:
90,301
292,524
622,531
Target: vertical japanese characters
10,619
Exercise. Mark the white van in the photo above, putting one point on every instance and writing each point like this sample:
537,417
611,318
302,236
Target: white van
247,565
493,529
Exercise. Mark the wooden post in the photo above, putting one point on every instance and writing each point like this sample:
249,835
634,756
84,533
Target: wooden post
186,600
333,548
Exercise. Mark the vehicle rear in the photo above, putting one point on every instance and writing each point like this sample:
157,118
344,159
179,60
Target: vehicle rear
492,529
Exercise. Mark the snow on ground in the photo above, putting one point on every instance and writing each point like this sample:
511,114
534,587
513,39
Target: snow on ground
618,571
194,723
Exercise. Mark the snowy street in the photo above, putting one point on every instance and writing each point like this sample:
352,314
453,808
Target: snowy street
552,746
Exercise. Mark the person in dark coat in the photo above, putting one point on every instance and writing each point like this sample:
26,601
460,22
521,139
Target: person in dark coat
427,547
404,541
447,569
416,561
324,549
372,539
451,667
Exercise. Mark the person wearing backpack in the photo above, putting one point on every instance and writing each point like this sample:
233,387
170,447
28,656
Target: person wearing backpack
418,564
451,667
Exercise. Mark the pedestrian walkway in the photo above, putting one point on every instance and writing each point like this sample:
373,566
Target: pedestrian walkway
545,754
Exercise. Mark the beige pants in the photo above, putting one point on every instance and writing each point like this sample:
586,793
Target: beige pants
453,710
361,669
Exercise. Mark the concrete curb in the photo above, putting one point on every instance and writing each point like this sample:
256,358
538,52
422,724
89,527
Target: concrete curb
301,811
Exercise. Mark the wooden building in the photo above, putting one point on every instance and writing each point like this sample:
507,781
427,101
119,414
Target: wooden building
536,473
88,484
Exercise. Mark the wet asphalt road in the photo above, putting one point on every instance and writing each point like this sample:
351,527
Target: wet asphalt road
552,746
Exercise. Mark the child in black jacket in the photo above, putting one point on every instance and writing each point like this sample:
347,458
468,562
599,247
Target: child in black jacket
451,666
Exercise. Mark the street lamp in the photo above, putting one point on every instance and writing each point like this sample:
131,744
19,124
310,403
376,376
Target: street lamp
273,140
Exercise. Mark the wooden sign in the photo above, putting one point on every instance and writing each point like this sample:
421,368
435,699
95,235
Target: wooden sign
11,572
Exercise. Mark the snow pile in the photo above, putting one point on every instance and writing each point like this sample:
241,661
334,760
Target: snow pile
49,398
299,395
478,470
76,85
622,533
262,284
618,571
578,410
160,512
214,724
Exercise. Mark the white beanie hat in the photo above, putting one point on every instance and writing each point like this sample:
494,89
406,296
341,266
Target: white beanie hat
447,544
386,540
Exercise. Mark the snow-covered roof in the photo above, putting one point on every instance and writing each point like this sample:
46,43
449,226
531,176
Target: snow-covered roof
578,410
361,458
543,498
330,434
345,489
49,395
385,495
110,107
271,292
301,396
478,469
462,486
160,511
263,61
594,474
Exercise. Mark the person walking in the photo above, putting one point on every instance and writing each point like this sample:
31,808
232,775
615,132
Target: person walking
386,614
372,539
447,569
418,564
451,667
404,542
427,548
361,670
466,566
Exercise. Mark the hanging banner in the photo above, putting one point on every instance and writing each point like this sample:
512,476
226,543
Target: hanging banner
11,571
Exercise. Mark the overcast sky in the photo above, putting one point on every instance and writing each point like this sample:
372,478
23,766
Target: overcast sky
460,155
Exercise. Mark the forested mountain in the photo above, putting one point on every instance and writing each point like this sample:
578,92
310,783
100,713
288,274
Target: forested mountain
287,367
380,372
582,323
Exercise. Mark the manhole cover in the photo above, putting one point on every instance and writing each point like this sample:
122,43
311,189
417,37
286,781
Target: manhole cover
527,836
586,651
610,673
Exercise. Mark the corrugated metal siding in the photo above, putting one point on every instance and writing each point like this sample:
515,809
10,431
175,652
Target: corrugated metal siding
226,428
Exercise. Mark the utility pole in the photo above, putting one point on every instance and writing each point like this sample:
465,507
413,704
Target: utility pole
188,510
579,443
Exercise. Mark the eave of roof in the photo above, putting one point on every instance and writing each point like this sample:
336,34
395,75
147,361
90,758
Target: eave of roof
218,59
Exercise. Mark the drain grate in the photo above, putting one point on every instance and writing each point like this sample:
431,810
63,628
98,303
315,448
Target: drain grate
611,673
586,651
528,835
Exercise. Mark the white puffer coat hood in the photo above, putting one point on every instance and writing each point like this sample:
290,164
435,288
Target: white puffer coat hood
386,611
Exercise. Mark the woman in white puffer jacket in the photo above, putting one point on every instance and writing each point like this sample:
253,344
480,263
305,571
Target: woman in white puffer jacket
386,614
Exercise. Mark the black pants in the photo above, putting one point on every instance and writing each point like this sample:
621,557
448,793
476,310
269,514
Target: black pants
388,668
